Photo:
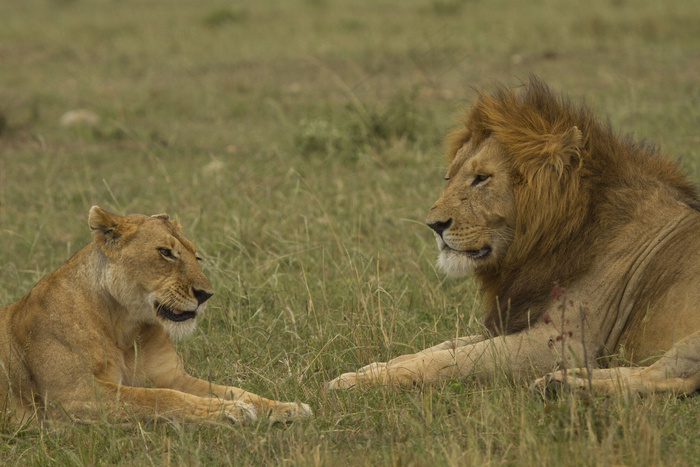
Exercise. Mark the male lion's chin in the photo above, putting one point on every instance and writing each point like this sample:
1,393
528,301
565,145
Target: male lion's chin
455,265
461,263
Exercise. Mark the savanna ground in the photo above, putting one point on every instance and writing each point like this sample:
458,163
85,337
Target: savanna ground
299,142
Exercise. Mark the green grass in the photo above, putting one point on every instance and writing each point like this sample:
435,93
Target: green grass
299,142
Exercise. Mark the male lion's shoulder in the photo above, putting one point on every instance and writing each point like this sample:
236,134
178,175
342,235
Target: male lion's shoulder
561,186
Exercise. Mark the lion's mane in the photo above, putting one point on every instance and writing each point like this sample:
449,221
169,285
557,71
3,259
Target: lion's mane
575,183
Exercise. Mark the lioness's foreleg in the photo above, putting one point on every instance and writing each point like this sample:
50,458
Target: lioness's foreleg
276,410
119,400
163,368
516,354
678,371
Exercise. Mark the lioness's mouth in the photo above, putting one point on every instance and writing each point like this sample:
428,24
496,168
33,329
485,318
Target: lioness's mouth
174,314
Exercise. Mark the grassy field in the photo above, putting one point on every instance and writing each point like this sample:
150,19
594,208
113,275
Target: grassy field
300,144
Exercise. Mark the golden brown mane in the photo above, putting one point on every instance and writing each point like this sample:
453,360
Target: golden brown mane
540,192
576,183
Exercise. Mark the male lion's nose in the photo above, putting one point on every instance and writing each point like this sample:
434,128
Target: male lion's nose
439,227
201,295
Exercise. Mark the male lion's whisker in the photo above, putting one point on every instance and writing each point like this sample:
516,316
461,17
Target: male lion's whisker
541,194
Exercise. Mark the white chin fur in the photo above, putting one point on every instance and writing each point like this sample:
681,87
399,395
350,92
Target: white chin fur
179,330
455,264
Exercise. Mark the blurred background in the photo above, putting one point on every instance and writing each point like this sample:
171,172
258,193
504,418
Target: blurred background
300,144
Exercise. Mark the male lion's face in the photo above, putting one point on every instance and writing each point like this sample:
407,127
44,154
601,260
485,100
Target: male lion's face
474,217
152,269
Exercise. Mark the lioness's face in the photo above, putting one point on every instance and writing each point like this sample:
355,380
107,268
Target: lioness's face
474,218
153,270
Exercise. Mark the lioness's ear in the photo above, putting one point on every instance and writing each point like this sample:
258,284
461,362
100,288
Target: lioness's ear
166,217
162,215
107,228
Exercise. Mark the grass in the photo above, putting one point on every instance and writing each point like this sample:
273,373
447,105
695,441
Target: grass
299,143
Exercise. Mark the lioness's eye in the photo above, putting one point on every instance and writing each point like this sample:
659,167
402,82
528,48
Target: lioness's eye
479,178
166,252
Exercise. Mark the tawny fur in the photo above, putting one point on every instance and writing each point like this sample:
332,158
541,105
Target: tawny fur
92,339
541,193
575,183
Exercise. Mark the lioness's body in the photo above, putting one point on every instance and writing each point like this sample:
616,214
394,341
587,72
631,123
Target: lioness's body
93,336
539,193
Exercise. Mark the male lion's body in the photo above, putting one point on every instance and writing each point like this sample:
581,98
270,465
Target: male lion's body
94,336
540,193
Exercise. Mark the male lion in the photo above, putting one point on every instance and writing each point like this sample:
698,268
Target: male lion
539,193
94,336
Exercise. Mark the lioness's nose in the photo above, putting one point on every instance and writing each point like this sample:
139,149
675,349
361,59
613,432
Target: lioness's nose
439,226
201,295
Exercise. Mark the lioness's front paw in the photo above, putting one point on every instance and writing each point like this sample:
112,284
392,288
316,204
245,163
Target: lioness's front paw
287,411
240,413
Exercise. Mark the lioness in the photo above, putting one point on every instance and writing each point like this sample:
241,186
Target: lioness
95,335
539,193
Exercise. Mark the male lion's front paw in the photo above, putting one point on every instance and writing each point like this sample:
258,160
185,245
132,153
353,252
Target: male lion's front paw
344,381
367,374
400,375
546,386
549,385
239,413
288,411
376,372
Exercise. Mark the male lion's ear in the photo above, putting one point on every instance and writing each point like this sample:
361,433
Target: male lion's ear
542,154
107,228
564,149
571,142
167,218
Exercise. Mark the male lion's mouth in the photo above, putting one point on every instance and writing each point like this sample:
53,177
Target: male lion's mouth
480,253
174,314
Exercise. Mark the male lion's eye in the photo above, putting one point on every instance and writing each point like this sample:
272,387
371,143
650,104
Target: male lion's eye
479,178
166,252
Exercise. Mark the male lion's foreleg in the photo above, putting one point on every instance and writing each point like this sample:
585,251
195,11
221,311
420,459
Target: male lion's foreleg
639,380
608,380
373,371
276,411
161,402
678,371
447,345
513,354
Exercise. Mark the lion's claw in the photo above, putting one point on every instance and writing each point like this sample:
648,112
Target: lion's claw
288,411
240,413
